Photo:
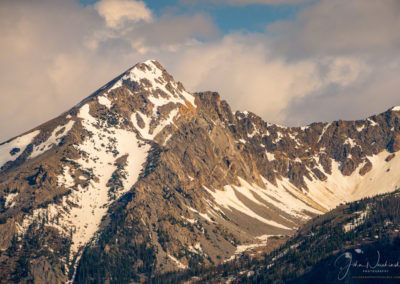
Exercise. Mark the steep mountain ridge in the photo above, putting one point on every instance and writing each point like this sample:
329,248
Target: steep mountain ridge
144,175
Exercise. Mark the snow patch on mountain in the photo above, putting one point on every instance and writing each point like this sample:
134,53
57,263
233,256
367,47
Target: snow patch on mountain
147,132
58,133
320,197
103,100
204,215
99,153
179,264
270,156
371,122
287,198
9,199
164,92
323,132
350,141
103,146
338,188
66,179
228,198
242,248
191,221
197,249
361,216
149,71
11,150
283,198
360,128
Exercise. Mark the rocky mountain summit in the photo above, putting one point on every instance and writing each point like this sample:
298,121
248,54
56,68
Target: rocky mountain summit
144,177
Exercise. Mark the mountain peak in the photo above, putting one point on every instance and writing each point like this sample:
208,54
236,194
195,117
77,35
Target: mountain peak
151,76
143,167
147,69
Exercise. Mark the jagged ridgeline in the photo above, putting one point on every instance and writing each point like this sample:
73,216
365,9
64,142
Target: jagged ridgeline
143,177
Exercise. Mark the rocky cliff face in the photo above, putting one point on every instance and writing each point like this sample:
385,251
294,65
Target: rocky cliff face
143,177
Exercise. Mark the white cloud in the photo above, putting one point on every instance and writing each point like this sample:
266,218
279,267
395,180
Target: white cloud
342,26
243,69
342,70
239,68
360,40
118,12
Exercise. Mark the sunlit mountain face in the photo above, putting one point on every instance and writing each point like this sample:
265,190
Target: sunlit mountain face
143,178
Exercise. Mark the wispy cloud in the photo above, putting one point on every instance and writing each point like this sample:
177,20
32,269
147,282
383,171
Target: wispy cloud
118,12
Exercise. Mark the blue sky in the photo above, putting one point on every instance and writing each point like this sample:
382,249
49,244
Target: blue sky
252,18
228,18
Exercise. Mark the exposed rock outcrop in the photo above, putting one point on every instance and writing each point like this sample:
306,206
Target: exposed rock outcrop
143,177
